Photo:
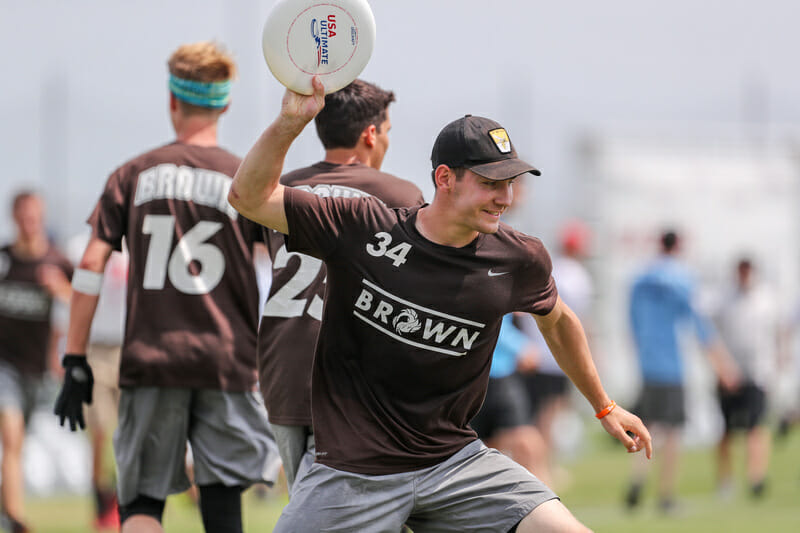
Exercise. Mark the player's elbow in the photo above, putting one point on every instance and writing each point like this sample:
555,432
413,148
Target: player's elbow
239,200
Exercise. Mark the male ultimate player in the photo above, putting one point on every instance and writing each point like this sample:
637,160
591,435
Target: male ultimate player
33,276
354,129
414,301
188,365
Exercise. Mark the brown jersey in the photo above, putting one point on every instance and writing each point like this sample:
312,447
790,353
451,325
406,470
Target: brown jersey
291,316
192,297
25,307
408,329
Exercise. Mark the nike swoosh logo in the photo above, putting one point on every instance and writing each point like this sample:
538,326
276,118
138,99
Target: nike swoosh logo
493,274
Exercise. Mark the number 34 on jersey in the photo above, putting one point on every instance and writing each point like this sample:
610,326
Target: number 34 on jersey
383,248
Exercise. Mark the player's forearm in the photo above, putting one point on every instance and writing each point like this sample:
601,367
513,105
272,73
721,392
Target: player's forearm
567,341
86,283
258,175
81,314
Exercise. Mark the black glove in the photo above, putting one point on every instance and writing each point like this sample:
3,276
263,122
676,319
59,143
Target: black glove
77,389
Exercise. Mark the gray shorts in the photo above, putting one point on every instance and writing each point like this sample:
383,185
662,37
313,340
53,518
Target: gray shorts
296,445
661,404
477,489
229,433
17,391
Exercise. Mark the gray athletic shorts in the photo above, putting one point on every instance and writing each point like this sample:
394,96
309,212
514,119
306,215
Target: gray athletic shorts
17,391
661,404
296,445
231,441
477,489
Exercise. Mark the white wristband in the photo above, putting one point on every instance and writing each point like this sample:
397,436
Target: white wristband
87,281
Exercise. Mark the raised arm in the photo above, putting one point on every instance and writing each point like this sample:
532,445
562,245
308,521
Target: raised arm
255,192
567,341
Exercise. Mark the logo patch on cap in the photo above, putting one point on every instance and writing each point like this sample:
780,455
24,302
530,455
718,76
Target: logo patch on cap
501,140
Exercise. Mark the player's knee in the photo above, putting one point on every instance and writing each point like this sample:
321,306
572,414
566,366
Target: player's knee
551,515
142,505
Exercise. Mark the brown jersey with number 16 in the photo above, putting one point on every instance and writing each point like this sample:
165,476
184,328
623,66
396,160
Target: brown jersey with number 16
192,292
291,316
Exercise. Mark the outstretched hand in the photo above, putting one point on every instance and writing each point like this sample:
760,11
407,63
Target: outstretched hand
302,108
76,390
629,430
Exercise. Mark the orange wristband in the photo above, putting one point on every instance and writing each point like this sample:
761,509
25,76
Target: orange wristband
607,409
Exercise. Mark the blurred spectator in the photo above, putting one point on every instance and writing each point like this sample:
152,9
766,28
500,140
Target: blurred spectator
747,320
789,363
548,387
32,274
103,355
503,422
661,302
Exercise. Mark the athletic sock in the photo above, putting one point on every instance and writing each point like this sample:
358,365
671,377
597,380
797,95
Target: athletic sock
757,489
633,496
221,508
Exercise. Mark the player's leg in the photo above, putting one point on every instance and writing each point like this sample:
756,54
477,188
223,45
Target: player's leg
525,445
17,398
724,460
326,499
724,465
142,515
12,427
221,508
646,408
503,424
101,420
758,450
759,440
671,413
479,489
551,517
150,448
668,475
232,448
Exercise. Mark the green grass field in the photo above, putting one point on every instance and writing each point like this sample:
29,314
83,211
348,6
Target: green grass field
597,483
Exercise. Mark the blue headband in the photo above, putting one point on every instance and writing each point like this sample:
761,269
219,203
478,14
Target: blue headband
215,94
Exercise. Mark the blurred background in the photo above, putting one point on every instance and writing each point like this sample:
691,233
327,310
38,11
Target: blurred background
641,115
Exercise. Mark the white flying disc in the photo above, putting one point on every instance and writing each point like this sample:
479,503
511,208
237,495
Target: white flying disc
332,40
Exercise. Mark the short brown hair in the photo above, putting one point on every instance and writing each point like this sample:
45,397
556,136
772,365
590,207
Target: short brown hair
204,61
21,196
348,111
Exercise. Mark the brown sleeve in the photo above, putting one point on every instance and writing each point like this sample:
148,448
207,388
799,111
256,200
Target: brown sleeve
535,287
109,218
316,224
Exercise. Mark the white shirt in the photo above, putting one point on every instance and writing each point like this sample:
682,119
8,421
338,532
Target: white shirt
748,325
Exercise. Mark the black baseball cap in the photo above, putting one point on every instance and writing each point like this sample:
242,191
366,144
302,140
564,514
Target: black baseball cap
481,145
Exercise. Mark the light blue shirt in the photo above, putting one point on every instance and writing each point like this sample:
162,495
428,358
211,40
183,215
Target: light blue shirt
510,343
660,304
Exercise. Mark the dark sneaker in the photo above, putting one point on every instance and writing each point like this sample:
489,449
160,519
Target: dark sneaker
757,489
667,506
633,497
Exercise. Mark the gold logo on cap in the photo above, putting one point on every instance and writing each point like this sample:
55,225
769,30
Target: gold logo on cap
500,138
